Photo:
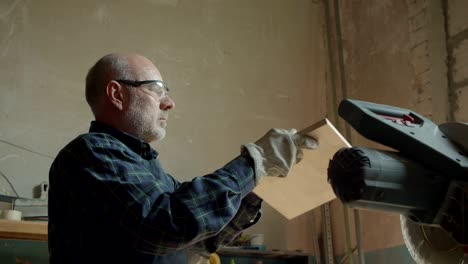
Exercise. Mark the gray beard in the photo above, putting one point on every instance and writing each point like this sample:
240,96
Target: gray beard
142,125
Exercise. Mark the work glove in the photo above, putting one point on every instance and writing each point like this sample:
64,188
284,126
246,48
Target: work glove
277,151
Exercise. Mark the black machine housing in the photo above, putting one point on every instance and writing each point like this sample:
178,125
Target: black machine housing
424,177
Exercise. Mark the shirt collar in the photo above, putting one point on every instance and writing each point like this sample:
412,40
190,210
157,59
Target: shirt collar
139,146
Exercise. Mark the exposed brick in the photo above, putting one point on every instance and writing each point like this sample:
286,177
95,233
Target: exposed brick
425,104
415,7
421,65
460,66
417,37
424,78
420,58
418,21
421,50
457,16
461,113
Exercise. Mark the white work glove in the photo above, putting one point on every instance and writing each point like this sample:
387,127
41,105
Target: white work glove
277,151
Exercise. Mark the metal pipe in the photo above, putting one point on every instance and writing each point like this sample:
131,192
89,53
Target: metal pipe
325,209
315,239
349,250
357,223
342,76
327,231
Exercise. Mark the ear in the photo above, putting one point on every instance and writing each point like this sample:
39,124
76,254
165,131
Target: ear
114,92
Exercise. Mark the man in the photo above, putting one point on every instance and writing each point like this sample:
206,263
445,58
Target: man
110,201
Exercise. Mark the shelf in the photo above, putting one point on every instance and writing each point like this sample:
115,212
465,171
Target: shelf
23,230
239,252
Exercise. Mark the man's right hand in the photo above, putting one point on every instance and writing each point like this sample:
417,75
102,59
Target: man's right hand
277,151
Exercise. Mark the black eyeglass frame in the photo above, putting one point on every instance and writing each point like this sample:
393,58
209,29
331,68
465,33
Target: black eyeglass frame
135,83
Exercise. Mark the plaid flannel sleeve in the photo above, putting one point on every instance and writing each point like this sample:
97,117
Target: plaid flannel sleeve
162,220
248,214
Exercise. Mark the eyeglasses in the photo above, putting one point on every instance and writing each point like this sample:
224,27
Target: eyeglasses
160,88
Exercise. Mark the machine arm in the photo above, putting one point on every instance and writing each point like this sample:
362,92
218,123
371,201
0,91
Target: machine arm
423,178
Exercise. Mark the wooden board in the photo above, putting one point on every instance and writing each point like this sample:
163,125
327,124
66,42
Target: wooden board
306,187
26,230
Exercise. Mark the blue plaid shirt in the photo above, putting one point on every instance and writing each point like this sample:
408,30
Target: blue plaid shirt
110,201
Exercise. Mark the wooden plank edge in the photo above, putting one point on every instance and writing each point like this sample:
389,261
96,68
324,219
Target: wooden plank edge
23,230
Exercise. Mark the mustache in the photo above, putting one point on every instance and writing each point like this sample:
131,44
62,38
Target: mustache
164,115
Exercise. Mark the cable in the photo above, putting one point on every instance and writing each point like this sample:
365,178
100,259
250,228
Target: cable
23,148
9,182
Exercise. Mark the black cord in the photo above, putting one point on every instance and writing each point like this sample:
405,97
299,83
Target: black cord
9,182
32,151
23,148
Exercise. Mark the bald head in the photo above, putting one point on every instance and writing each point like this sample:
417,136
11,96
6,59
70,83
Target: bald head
114,66
139,110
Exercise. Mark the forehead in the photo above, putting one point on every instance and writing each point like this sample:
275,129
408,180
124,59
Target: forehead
150,73
144,69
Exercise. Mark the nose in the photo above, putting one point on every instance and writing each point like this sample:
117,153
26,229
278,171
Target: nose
167,103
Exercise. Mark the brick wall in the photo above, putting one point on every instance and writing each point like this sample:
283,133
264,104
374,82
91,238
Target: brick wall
427,45
394,53
457,47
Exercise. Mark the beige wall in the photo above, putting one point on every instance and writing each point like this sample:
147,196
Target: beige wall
236,69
